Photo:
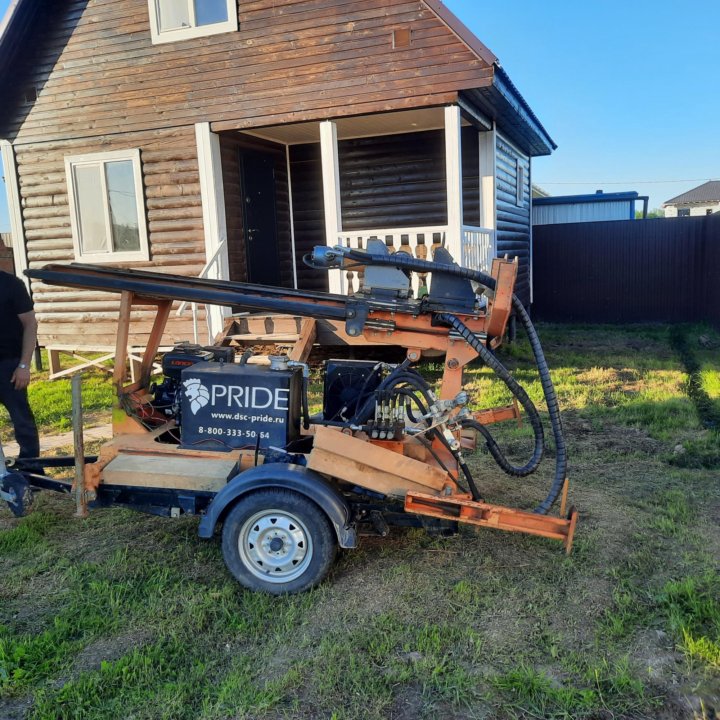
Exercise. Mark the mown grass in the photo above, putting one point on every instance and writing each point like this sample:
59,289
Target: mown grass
51,401
126,615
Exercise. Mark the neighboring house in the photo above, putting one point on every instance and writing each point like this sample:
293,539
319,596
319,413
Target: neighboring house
230,141
554,210
6,253
702,200
538,192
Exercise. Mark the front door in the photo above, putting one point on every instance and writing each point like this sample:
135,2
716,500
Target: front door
257,170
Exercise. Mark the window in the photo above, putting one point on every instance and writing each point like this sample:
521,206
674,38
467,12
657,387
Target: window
107,211
172,20
520,183
683,212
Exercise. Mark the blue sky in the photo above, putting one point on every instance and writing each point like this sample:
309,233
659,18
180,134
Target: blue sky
628,90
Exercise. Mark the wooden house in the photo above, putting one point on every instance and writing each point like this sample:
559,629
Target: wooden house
226,138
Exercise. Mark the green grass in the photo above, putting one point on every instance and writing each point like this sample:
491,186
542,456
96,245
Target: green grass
127,615
692,605
602,687
51,401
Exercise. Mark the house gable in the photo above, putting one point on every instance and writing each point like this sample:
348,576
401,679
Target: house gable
95,70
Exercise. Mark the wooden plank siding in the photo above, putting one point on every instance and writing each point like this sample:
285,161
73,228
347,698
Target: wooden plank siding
513,220
71,317
95,69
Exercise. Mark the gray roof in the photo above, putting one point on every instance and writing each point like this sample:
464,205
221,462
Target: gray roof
708,192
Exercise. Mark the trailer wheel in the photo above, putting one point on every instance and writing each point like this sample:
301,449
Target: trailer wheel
278,541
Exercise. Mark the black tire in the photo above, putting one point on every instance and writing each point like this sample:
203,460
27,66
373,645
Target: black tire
278,541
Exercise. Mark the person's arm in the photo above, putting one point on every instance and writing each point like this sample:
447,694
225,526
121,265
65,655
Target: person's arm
21,377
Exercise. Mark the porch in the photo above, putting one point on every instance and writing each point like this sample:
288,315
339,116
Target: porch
415,179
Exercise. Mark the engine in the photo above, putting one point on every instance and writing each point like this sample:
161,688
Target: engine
166,400
219,404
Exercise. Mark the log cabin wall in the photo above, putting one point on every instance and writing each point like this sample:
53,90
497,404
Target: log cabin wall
85,319
513,212
308,212
385,182
230,147
90,80
288,61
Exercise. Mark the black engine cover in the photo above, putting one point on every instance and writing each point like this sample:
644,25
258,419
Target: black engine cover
239,406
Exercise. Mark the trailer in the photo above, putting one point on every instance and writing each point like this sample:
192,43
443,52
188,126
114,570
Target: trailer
233,442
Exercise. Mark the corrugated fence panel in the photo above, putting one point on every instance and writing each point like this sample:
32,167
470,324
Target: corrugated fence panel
711,269
630,271
582,212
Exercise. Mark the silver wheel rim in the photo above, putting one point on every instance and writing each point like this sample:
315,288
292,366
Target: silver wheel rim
275,546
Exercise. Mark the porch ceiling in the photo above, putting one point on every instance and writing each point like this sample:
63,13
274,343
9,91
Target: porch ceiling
391,123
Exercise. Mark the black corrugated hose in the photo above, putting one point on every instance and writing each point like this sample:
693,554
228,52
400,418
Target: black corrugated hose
407,262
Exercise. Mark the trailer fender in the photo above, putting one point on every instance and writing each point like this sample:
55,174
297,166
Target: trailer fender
289,477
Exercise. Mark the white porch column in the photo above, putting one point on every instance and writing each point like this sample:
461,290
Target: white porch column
17,232
453,168
213,208
488,162
331,195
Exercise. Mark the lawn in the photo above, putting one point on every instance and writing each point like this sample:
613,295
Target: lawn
52,401
129,616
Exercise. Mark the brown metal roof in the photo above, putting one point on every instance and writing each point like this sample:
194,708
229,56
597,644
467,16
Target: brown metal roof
708,192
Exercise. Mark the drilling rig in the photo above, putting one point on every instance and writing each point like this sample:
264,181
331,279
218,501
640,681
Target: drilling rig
233,442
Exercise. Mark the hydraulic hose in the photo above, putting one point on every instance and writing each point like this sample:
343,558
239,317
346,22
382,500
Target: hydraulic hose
498,455
550,398
407,262
399,375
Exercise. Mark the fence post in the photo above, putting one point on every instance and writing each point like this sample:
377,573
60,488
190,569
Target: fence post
81,509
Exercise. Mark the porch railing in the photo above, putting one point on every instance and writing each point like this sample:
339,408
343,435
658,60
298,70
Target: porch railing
420,242
213,262
477,248
475,251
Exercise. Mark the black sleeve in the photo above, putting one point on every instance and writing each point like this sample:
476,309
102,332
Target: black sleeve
20,301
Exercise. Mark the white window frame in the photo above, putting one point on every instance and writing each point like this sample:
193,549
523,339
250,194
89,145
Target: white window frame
71,162
194,31
519,182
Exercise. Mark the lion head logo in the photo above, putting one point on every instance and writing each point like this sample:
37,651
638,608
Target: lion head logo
197,394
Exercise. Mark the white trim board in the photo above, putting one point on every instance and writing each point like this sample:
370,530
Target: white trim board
159,36
214,220
17,231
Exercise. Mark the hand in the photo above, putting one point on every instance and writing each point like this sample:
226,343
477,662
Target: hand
20,378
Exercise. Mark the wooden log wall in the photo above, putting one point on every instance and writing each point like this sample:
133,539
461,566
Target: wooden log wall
289,61
85,319
308,212
385,182
513,220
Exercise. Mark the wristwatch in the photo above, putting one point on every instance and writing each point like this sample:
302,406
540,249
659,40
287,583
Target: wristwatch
22,366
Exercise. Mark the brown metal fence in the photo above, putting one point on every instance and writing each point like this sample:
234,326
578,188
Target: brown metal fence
660,270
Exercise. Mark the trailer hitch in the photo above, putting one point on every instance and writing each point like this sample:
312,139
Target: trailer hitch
14,488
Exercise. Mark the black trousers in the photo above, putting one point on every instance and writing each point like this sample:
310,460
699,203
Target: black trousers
16,402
